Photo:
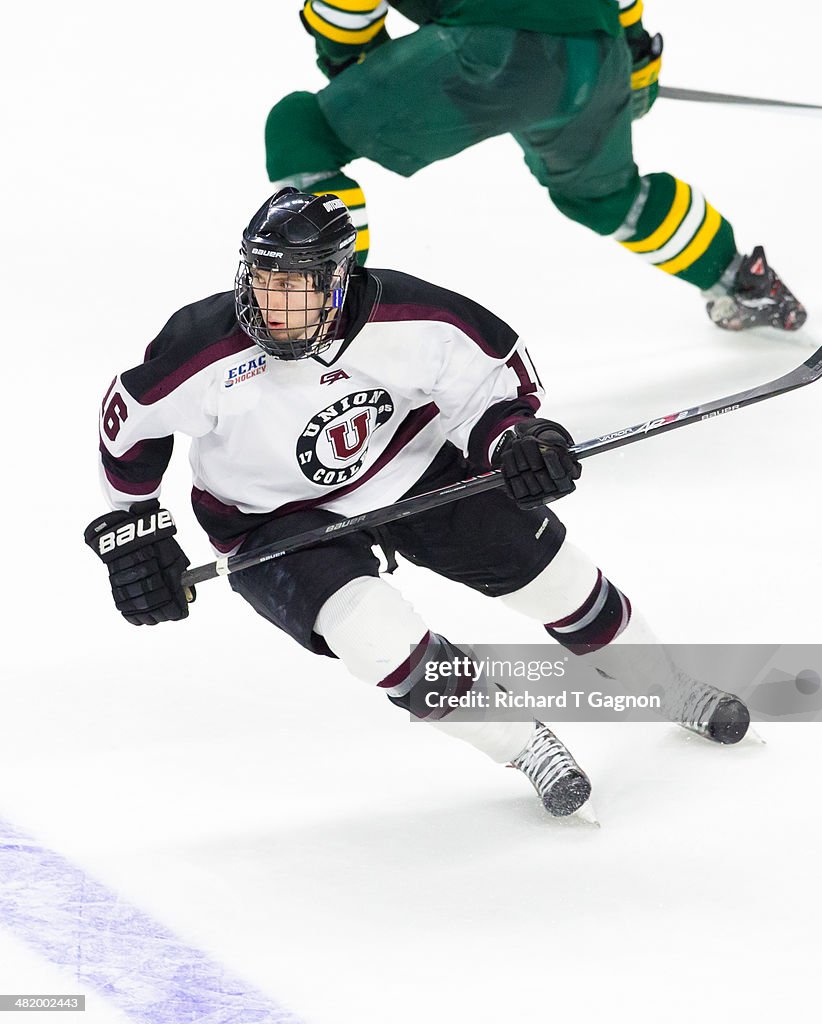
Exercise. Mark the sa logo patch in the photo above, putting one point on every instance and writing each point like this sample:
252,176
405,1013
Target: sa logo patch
333,376
333,445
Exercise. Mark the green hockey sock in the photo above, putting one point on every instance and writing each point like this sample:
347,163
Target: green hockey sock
673,227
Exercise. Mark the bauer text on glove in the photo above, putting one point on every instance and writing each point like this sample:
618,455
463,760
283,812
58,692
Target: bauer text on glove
144,562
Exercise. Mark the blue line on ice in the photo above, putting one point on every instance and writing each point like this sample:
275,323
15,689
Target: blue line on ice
114,948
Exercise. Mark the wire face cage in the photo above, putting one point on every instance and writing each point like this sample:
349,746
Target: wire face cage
291,314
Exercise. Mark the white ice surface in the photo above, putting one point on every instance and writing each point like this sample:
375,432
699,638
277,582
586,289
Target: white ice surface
251,797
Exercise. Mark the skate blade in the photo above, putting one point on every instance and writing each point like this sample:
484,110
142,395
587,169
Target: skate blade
751,736
587,814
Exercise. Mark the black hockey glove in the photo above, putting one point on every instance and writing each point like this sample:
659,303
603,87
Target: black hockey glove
646,54
144,562
536,463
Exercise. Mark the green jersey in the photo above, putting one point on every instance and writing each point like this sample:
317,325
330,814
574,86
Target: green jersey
555,17
345,29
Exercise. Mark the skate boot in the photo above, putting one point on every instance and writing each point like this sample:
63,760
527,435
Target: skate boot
707,711
547,763
757,297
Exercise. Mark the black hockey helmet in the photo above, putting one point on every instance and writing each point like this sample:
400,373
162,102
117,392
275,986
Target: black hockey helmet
295,233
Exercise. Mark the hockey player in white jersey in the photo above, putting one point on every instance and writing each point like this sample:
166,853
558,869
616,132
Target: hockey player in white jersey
317,390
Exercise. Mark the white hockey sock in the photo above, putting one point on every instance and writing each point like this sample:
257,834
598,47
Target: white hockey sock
561,587
501,741
372,629
635,656
637,659
580,608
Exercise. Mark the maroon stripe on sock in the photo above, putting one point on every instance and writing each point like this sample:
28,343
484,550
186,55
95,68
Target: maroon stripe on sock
603,630
404,670
583,609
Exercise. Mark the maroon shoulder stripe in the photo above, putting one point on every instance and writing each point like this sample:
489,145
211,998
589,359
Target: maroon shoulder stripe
237,341
409,311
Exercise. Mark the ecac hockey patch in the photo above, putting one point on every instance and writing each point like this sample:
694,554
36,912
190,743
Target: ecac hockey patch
244,371
333,445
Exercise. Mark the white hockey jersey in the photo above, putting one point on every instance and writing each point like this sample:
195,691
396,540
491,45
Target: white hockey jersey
350,430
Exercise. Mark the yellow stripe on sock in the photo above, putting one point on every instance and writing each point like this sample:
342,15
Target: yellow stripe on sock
352,197
356,6
699,246
363,240
665,232
341,35
632,15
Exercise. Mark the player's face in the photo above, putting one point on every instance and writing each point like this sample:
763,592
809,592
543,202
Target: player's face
289,303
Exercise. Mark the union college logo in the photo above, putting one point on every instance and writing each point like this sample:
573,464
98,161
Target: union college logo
331,449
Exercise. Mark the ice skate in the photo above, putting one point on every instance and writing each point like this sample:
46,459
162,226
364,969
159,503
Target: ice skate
757,298
547,763
718,716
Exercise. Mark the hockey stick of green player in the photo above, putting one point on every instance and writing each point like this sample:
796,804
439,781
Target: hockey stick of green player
670,92
807,373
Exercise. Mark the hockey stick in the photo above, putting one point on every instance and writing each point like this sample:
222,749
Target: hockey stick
807,373
670,92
